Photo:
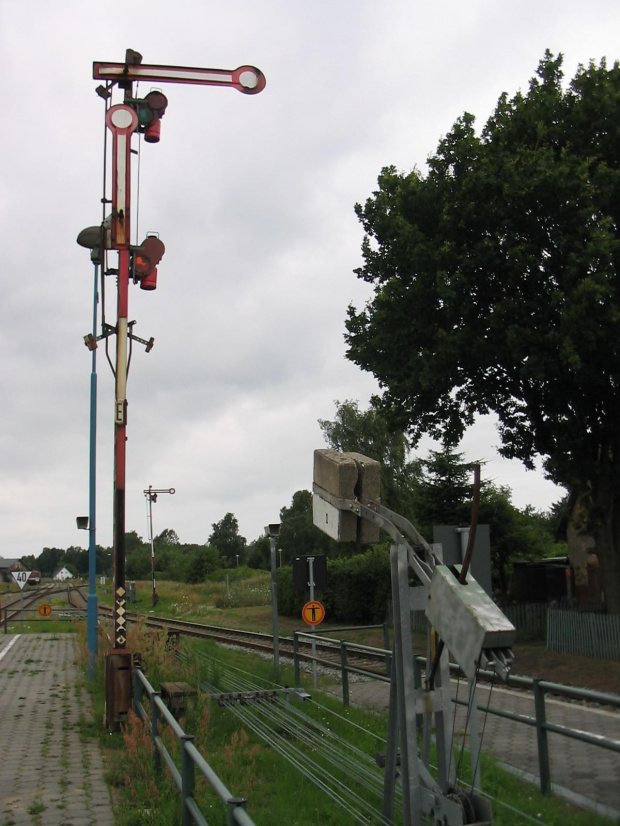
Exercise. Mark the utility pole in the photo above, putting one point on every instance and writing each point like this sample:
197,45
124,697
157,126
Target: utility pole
123,120
151,496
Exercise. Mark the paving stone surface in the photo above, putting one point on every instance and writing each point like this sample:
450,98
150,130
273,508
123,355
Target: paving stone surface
47,776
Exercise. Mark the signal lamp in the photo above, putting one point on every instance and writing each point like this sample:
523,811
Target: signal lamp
150,110
145,259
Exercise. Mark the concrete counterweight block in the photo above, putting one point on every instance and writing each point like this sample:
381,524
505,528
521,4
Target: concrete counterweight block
368,488
345,476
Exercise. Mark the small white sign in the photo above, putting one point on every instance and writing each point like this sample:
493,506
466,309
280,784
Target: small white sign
330,520
21,577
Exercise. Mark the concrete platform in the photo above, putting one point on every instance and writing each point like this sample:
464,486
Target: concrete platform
47,776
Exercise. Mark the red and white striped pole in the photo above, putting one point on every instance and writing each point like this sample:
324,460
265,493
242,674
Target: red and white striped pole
122,122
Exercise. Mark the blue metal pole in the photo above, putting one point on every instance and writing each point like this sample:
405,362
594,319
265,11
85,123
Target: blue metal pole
91,603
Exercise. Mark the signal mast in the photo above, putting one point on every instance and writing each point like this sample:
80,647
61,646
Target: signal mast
137,264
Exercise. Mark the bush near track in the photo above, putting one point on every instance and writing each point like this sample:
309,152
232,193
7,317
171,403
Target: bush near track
358,588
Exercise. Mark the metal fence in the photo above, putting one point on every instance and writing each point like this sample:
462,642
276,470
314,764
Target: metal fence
567,629
191,759
530,619
15,616
539,688
593,635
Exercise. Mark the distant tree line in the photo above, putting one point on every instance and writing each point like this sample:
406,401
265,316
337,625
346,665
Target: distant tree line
436,490
225,548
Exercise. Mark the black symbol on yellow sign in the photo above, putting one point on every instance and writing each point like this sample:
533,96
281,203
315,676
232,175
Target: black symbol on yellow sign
45,610
313,613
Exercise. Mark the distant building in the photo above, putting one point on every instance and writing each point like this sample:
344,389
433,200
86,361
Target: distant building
62,574
542,580
8,565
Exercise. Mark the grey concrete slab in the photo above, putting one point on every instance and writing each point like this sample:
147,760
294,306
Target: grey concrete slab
47,776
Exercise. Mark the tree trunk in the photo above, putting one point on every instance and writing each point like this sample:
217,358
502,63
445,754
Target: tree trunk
606,503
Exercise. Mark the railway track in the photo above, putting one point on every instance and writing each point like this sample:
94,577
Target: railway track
12,609
328,654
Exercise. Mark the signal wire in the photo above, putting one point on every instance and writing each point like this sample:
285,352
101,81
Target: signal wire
104,203
277,724
484,725
245,680
138,175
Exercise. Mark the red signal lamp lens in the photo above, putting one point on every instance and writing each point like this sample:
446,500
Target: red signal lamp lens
141,264
146,257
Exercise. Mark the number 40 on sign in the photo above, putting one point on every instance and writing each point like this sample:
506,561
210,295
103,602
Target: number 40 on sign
21,577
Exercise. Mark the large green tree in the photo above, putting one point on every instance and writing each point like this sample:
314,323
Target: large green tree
226,538
497,288
445,491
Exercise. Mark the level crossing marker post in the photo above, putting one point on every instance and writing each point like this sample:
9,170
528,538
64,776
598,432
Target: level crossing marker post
315,678
122,120
273,531
21,578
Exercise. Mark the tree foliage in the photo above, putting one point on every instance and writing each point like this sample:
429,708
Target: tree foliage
444,493
497,288
298,534
226,538
203,560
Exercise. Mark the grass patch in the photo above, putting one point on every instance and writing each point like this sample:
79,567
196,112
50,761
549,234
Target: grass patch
36,807
42,626
208,602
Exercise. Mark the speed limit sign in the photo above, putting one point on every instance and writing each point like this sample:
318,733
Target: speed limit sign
21,577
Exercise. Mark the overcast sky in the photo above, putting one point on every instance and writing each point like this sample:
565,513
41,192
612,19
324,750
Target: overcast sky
253,197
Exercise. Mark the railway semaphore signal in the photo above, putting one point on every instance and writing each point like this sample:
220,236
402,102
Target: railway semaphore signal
135,115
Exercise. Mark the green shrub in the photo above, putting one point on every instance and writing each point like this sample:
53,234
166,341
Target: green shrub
358,588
